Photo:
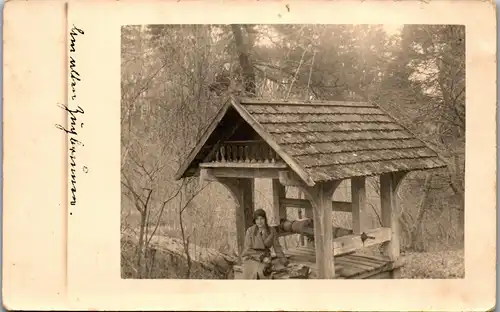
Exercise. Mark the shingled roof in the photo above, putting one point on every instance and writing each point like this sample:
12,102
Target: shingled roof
330,140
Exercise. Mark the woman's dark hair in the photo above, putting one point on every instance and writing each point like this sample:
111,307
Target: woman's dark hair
259,213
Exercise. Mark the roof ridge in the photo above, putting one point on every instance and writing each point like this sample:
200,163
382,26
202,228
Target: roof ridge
270,101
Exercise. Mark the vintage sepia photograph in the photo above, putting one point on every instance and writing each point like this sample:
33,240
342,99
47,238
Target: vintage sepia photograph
292,151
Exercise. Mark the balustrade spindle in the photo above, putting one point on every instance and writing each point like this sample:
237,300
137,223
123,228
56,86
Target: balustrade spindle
223,153
235,153
241,155
217,155
230,153
252,153
247,154
271,155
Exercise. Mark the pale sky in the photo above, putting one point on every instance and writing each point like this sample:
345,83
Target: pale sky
390,29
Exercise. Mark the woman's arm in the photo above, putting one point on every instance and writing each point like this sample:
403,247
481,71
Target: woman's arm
247,246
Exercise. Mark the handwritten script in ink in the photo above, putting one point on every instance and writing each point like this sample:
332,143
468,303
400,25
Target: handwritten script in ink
74,114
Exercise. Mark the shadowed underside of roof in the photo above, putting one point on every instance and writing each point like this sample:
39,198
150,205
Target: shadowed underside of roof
337,140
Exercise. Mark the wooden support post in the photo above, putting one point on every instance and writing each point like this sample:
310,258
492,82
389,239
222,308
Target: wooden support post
321,200
279,210
302,239
246,208
389,184
309,215
242,191
320,196
358,193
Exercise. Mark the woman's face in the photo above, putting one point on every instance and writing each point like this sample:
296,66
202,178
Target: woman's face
260,221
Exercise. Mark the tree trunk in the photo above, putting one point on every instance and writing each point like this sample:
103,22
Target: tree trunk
140,245
244,58
416,234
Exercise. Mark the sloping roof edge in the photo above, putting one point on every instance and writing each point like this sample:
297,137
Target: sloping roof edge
267,138
445,163
208,131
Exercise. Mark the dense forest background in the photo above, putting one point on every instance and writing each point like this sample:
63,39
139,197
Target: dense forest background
176,77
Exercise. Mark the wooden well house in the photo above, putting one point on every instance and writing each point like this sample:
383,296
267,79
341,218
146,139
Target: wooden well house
314,146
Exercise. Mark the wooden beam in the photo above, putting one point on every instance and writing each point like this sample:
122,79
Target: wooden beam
289,178
389,184
238,165
254,101
279,210
213,174
358,194
351,243
306,204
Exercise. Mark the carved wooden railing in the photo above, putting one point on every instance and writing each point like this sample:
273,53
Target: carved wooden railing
245,152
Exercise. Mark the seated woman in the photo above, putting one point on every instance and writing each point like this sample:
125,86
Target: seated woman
256,254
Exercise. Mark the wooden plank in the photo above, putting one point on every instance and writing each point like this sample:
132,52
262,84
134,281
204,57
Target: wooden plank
354,264
374,258
234,165
362,264
351,243
381,272
272,143
349,271
213,174
371,262
303,252
279,211
368,259
312,109
358,193
341,206
306,248
249,101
